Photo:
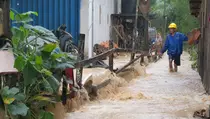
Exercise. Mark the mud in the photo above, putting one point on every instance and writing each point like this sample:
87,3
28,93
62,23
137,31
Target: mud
79,100
2,114
58,110
157,95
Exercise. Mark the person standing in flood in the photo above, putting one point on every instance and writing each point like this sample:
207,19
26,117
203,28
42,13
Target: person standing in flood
159,43
174,46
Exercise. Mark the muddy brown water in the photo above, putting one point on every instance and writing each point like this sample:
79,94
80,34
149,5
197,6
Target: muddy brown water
158,95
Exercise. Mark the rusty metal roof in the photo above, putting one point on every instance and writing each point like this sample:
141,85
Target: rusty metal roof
195,6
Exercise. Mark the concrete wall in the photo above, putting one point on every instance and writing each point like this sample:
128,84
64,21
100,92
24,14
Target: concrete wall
102,19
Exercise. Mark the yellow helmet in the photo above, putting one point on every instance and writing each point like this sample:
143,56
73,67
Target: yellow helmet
172,26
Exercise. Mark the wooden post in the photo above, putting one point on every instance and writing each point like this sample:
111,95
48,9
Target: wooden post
64,90
128,64
1,22
80,57
135,31
146,35
111,57
4,18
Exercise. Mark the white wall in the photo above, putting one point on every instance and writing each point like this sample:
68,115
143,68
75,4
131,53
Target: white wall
84,21
102,19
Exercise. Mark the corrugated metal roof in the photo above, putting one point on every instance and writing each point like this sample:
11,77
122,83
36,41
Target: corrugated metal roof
53,13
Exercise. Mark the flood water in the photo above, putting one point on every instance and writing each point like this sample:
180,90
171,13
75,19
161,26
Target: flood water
158,95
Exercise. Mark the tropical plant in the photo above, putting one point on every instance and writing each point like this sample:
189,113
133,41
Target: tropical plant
41,63
177,11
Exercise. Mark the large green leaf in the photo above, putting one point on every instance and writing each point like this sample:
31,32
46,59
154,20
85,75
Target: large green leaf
20,97
30,13
39,60
54,83
41,98
6,92
18,109
56,56
63,66
49,47
44,34
29,74
20,63
13,91
18,33
24,17
25,31
47,87
12,15
46,115
46,72
45,55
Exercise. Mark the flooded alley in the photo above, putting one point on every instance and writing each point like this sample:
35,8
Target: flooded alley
158,95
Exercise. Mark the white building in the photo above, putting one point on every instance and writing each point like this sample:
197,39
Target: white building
98,25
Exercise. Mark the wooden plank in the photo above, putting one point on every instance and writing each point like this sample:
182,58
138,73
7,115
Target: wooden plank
106,54
93,59
128,64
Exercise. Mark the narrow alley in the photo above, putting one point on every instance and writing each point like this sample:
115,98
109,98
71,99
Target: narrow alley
104,59
158,95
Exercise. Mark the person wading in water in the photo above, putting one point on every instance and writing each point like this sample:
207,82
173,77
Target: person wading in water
174,46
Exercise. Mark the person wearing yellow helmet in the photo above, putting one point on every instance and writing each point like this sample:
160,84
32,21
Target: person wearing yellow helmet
174,46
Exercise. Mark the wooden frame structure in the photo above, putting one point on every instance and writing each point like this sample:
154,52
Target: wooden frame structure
201,10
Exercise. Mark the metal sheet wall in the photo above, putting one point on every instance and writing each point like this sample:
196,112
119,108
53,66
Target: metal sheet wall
53,13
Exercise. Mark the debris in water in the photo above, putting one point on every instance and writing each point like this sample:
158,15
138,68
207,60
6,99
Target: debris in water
200,113
141,96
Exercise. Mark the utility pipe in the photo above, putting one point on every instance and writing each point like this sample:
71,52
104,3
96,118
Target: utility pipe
90,29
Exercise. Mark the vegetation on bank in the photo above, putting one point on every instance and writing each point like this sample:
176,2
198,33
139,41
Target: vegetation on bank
193,51
40,63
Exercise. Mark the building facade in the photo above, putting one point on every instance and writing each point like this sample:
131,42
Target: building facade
101,19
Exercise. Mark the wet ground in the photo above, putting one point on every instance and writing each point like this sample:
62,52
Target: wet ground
159,95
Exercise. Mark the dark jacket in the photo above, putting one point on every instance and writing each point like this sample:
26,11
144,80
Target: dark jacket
174,44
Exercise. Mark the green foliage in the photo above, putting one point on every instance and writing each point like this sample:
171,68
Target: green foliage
13,102
38,59
46,115
176,11
193,51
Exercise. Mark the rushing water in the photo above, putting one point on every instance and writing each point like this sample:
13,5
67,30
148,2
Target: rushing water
163,95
